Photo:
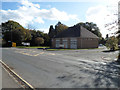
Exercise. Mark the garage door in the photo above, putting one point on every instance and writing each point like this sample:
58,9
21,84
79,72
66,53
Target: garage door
73,43
57,43
65,43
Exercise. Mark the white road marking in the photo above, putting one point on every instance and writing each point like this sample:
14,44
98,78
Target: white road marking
105,58
90,61
56,61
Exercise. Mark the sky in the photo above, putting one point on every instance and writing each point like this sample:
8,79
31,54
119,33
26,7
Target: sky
41,14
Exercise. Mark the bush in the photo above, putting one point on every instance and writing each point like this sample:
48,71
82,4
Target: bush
112,43
39,41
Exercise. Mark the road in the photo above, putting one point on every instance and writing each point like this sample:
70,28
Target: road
91,68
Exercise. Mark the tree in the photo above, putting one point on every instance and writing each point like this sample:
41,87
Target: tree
118,33
34,35
102,41
59,27
107,36
114,25
47,40
91,27
52,31
3,42
39,41
9,26
112,43
14,32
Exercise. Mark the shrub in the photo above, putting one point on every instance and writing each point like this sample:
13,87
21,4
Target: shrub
112,43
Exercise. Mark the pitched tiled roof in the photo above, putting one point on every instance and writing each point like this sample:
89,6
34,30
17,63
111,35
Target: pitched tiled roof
87,34
76,31
70,32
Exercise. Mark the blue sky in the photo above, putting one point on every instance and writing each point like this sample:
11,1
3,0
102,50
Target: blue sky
78,8
40,15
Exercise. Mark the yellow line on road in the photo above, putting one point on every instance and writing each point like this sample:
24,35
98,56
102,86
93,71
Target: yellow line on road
39,54
42,52
52,54
36,54
28,54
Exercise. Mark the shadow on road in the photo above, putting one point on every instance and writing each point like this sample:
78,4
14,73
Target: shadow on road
109,77
108,51
102,75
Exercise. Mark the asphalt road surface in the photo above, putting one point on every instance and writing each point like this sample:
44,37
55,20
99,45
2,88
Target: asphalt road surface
93,68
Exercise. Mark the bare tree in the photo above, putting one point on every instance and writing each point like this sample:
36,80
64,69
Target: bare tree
31,27
115,25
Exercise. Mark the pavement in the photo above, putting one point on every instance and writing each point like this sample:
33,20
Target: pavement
89,68
8,81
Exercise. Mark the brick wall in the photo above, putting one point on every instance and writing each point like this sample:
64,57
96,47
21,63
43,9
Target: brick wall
53,43
88,43
81,42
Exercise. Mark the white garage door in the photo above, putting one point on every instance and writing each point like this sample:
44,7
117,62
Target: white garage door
65,43
57,43
73,43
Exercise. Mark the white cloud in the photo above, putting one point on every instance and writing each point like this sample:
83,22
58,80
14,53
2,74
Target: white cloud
45,30
29,4
102,16
39,20
113,2
30,13
55,14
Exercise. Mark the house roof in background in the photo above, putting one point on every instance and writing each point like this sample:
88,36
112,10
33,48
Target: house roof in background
76,31
87,34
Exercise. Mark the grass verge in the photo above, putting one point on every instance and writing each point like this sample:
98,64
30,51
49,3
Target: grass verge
51,49
69,49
